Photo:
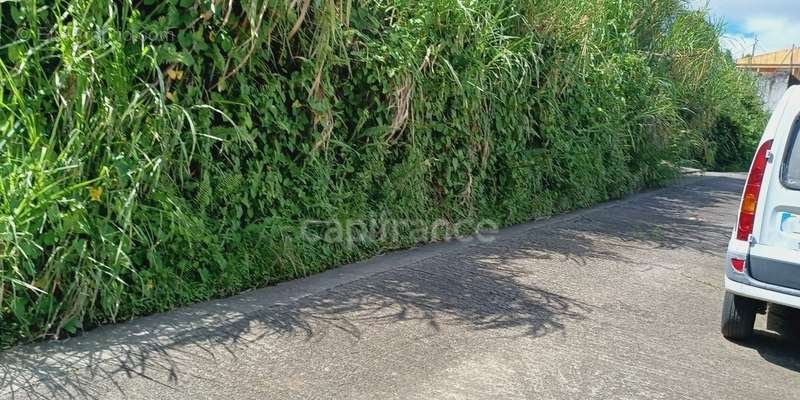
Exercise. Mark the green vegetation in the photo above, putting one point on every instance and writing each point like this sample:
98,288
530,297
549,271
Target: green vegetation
159,153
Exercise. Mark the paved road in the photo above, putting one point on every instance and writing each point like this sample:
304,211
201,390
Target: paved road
620,301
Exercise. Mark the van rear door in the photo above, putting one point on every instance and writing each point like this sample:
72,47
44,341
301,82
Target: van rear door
775,253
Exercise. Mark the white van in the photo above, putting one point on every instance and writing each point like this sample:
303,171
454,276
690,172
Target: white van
763,261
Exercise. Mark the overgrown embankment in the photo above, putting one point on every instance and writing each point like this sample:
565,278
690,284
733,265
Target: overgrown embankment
158,153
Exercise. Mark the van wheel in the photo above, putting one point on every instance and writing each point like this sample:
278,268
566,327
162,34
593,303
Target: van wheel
738,316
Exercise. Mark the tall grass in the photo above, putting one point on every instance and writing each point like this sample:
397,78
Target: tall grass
158,153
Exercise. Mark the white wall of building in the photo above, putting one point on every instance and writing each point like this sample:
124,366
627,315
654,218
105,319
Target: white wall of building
772,86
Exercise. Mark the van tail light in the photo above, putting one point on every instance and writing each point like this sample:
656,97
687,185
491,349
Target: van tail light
747,212
738,265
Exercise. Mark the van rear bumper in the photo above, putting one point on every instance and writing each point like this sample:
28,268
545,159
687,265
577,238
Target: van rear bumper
758,293
775,265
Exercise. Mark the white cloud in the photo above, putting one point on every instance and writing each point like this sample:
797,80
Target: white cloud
772,22
773,33
738,44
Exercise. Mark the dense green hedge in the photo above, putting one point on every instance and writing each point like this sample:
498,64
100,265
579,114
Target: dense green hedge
158,153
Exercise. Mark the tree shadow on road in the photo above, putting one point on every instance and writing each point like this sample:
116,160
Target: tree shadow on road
479,287
696,217
468,291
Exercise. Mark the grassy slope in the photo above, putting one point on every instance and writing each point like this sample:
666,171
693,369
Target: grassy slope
158,153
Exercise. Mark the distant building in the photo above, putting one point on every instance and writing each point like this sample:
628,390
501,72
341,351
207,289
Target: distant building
776,72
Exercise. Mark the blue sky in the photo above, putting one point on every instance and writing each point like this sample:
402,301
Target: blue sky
775,23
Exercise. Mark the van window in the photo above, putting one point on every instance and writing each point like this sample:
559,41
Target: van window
790,172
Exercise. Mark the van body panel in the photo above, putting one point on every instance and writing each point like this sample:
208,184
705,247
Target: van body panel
775,266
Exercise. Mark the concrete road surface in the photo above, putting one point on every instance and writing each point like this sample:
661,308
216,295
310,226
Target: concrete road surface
621,301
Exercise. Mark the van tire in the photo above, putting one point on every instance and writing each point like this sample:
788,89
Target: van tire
738,316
